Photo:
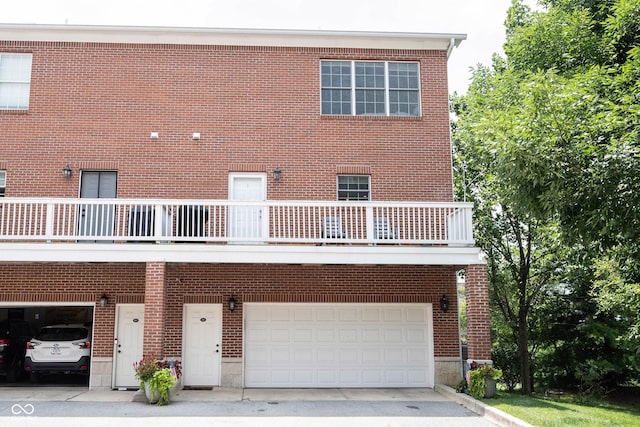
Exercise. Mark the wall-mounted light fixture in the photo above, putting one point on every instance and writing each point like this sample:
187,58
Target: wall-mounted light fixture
276,173
103,300
444,303
67,172
232,303
155,135
196,135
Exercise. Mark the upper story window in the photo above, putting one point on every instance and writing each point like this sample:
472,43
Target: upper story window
372,88
354,187
3,182
15,81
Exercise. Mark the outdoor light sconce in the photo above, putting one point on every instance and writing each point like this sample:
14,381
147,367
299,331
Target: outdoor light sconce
103,300
276,173
232,303
444,303
66,171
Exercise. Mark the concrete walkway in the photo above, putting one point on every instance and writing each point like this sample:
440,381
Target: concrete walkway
221,394
75,406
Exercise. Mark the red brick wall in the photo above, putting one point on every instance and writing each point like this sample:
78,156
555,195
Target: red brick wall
155,317
205,283
94,105
478,322
64,282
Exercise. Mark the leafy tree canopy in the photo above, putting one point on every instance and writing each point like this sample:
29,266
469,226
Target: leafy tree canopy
562,118
547,144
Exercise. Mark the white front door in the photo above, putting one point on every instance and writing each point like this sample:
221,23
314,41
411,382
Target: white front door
247,222
128,343
338,345
202,346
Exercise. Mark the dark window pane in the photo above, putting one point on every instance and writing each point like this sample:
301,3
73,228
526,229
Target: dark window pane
333,101
353,187
369,74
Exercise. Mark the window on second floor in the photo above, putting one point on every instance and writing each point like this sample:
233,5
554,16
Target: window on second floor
3,182
354,187
15,81
373,88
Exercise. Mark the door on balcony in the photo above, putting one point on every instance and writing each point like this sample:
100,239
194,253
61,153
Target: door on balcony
97,220
247,222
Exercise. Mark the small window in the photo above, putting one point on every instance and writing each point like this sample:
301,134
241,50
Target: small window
370,88
15,81
353,187
3,182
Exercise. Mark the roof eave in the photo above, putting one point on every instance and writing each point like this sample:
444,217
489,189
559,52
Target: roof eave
228,36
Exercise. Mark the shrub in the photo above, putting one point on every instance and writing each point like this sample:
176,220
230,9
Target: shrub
478,379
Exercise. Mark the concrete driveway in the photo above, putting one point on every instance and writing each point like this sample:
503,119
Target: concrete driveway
75,406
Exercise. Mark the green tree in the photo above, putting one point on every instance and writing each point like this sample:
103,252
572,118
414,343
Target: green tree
547,145
517,245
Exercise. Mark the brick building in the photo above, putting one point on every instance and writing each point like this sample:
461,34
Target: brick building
274,208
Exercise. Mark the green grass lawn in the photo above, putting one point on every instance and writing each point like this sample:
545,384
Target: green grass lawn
566,410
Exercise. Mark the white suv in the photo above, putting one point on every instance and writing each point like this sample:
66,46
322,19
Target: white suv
59,349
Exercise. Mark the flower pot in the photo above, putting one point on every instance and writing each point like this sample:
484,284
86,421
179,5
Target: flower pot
152,396
490,390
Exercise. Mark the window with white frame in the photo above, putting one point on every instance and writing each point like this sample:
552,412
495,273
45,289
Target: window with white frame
3,182
15,80
354,187
372,88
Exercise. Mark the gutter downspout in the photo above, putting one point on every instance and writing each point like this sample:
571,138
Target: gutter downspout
452,44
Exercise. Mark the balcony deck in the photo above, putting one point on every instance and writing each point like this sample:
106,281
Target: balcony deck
121,230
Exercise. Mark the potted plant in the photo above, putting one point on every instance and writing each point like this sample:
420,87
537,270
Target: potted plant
157,378
482,380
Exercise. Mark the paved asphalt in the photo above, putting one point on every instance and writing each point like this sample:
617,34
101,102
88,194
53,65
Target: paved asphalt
299,413
20,408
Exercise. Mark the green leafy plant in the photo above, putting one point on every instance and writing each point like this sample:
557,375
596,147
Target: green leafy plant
161,382
160,376
462,387
478,379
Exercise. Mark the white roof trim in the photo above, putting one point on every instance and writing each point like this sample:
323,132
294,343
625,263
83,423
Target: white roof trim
229,37
221,254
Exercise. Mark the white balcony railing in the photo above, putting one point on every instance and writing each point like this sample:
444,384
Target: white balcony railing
225,221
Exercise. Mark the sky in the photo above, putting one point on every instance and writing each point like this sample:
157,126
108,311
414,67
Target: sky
481,20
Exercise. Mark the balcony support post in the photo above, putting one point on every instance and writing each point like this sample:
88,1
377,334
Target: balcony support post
369,220
49,222
158,222
468,226
478,326
154,310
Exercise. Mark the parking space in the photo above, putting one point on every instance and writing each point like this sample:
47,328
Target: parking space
21,325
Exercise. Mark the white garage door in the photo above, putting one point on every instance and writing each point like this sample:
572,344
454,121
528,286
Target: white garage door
338,345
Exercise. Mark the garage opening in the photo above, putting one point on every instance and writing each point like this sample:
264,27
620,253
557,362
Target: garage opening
338,345
48,345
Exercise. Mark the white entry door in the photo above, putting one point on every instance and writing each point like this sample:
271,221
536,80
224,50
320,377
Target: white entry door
338,345
202,344
247,222
128,343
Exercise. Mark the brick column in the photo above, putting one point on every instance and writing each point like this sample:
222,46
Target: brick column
154,310
478,326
